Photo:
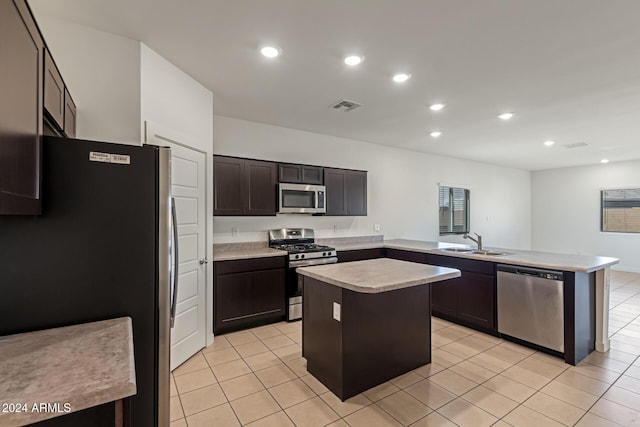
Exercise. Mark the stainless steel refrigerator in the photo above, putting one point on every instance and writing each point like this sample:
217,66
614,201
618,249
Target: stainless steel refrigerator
101,249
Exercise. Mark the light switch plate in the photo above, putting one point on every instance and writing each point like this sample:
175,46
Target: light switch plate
235,232
336,311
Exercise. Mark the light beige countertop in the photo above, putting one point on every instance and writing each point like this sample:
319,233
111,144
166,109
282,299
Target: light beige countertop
358,245
549,260
81,365
230,255
378,275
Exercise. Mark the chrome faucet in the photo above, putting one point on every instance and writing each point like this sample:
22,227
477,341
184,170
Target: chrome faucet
478,240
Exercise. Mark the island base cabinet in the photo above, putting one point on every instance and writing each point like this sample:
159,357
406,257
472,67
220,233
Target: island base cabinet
355,341
444,298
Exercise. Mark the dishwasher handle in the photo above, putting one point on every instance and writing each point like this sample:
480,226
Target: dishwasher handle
528,271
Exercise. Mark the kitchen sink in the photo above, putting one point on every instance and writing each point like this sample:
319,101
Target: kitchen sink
489,253
474,251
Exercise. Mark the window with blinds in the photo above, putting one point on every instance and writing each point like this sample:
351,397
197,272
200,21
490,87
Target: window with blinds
453,210
620,210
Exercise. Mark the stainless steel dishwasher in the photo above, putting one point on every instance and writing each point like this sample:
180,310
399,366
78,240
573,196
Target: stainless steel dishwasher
531,305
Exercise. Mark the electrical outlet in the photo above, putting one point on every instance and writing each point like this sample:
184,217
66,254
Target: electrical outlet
336,228
376,227
235,232
336,311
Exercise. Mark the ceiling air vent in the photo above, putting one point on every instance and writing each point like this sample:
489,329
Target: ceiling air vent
575,145
345,105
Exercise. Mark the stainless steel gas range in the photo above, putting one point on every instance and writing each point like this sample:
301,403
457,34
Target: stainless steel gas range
303,251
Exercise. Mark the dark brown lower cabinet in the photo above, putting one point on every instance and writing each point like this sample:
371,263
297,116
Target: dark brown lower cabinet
248,292
470,299
360,254
476,300
406,255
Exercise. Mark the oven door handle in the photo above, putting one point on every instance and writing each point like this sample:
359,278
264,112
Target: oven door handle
310,262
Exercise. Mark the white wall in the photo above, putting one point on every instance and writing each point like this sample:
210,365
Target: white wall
175,100
102,71
566,211
181,109
402,187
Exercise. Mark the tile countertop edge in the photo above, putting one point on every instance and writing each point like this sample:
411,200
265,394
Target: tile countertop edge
433,274
80,396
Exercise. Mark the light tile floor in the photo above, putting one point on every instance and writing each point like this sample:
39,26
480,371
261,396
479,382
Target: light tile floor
258,377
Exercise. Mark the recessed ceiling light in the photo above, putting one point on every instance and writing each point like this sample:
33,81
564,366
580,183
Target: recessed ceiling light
435,134
604,161
436,107
549,143
353,60
506,116
401,77
270,51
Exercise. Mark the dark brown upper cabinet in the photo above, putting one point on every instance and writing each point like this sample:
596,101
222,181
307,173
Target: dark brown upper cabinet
300,174
336,192
357,193
54,103
21,71
243,187
69,115
260,187
346,192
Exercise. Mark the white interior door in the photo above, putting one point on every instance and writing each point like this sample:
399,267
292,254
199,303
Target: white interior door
188,189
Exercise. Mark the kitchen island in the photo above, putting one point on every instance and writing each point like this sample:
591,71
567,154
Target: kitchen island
367,322
584,271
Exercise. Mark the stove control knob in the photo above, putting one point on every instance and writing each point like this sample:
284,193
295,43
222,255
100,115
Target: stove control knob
297,256
324,254
302,256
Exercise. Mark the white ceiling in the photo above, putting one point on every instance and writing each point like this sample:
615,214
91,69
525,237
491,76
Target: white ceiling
569,69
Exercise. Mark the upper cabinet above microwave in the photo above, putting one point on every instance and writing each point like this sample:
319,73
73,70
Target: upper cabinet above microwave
300,174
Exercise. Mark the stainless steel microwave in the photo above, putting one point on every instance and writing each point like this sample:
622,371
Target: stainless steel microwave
301,198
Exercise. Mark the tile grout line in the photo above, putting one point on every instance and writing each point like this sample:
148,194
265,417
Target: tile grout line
292,336
609,388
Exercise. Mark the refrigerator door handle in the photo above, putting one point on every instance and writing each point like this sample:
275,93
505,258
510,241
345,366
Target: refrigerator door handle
174,296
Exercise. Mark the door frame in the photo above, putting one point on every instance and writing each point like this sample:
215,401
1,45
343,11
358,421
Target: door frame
151,128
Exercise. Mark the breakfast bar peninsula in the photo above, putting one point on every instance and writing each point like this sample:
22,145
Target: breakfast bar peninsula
366,322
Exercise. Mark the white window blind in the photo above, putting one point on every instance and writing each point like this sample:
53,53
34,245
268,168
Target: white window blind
620,210
453,210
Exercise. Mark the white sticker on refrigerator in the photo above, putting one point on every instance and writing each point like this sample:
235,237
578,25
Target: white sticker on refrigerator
99,157
121,159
